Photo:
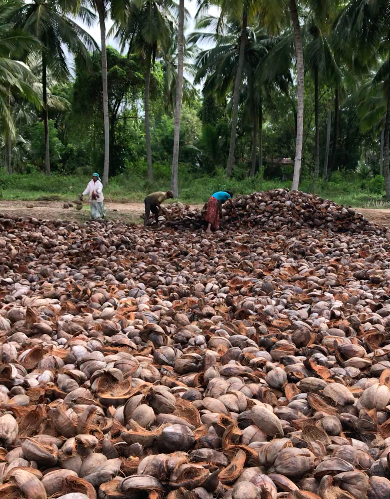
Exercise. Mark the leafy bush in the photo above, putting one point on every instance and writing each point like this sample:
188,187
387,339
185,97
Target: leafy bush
364,170
376,184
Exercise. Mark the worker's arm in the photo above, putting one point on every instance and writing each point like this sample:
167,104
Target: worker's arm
86,191
162,209
232,204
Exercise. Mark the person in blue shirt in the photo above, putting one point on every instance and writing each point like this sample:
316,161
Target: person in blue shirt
213,212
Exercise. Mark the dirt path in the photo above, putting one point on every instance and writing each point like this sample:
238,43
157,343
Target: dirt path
54,210
379,216
129,212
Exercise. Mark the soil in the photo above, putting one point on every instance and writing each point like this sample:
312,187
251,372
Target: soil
54,210
129,212
379,216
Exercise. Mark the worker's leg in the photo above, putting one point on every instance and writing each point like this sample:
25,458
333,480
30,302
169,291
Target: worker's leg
155,211
147,212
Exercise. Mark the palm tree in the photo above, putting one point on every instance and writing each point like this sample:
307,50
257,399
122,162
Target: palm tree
266,67
272,75
366,28
237,84
273,14
49,22
16,79
169,63
300,93
116,9
179,87
147,27
327,145
322,62
242,12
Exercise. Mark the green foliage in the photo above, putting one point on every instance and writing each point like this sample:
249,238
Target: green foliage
352,56
37,144
376,185
16,78
363,170
131,186
124,83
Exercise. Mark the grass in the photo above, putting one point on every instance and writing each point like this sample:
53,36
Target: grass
344,189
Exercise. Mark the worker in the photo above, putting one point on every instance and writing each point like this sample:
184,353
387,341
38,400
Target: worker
95,191
153,202
213,213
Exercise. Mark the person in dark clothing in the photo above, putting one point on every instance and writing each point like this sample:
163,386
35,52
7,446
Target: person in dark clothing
153,202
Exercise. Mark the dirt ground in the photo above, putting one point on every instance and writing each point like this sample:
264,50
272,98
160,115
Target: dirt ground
54,210
129,212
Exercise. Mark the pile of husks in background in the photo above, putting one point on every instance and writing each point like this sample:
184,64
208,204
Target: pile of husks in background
163,364
275,210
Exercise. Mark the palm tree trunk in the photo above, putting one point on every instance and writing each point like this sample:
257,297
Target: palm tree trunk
317,131
301,88
147,117
381,151
179,92
45,115
261,138
327,147
386,150
6,155
8,146
106,121
254,145
335,131
236,94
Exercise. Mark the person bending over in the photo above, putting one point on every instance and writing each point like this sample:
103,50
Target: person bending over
153,202
213,213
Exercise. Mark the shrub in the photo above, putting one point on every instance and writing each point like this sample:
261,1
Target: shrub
376,184
364,170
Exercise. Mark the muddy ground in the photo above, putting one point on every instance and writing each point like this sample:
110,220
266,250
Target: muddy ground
128,212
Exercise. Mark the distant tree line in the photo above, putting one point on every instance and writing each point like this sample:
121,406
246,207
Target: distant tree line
286,88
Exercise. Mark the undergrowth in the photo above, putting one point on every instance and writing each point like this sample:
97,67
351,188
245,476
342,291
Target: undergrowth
342,189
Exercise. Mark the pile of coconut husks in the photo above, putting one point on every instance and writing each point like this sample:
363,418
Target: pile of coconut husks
250,364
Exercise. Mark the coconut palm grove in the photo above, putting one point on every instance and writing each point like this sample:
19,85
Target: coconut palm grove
194,249
251,91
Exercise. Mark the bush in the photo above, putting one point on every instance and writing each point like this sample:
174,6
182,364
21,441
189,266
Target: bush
364,170
133,185
341,176
376,184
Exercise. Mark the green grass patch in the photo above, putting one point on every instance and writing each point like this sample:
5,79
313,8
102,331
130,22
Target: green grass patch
344,188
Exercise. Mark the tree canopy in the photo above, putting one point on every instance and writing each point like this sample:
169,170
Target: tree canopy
247,107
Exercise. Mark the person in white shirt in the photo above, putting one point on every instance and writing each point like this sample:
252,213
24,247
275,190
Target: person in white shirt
95,191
